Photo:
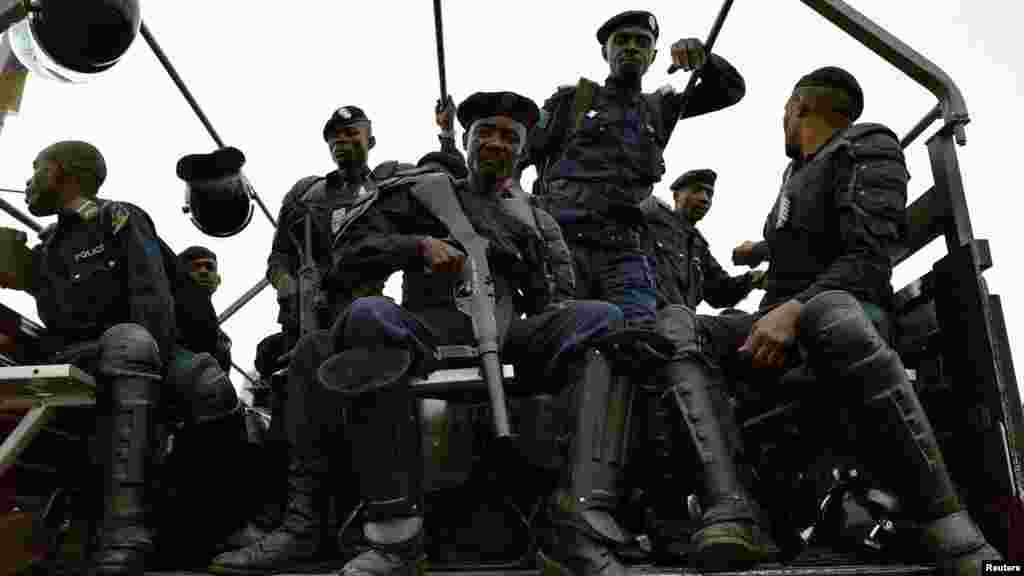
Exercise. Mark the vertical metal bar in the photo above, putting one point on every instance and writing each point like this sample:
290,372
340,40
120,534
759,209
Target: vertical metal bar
950,187
195,107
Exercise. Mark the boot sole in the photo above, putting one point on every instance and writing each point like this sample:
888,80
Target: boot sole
726,555
270,571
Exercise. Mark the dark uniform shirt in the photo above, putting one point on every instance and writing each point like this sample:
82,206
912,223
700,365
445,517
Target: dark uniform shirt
99,266
687,273
838,218
328,200
623,132
198,329
386,239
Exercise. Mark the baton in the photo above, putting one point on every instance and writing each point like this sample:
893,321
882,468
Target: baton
708,45
439,39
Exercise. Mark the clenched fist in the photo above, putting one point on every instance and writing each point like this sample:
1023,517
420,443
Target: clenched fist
441,256
688,54
746,254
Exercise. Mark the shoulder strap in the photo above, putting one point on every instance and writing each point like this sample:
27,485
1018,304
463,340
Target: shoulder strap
652,111
582,100
167,255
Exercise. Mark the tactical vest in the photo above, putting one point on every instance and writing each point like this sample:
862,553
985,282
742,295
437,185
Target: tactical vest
611,142
803,227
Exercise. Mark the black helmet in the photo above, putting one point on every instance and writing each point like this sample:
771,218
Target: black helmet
217,195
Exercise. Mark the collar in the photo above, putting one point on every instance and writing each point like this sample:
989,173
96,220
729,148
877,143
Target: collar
86,211
335,182
619,86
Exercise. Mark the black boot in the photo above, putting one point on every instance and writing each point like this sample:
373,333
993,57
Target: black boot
295,544
843,343
581,533
130,448
730,537
906,440
390,467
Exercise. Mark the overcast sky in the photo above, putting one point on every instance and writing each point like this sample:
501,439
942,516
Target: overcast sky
269,76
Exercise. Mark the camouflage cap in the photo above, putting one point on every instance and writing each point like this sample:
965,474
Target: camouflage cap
835,77
487,104
344,116
637,18
703,177
77,156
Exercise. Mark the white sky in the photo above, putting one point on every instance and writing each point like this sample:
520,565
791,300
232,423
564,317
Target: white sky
268,77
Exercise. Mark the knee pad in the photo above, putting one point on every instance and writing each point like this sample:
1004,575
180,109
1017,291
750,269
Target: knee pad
207,392
836,332
358,371
679,324
129,350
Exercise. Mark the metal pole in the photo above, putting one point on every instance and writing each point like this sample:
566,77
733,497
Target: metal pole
195,107
242,301
439,34
244,375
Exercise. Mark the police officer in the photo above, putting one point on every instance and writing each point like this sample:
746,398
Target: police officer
199,330
349,137
208,459
294,536
839,212
103,293
687,272
598,152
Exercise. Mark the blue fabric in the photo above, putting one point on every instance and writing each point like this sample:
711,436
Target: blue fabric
628,281
542,339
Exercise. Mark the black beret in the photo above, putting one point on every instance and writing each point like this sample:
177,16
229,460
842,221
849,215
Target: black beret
487,104
638,18
451,163
75,155
344,116
834,77
217,164
701,176
194,252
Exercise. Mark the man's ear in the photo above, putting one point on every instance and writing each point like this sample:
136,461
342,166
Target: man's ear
371,142
604,53
465,140
654,54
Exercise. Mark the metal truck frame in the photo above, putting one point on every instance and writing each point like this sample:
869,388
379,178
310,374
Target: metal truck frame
949,331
